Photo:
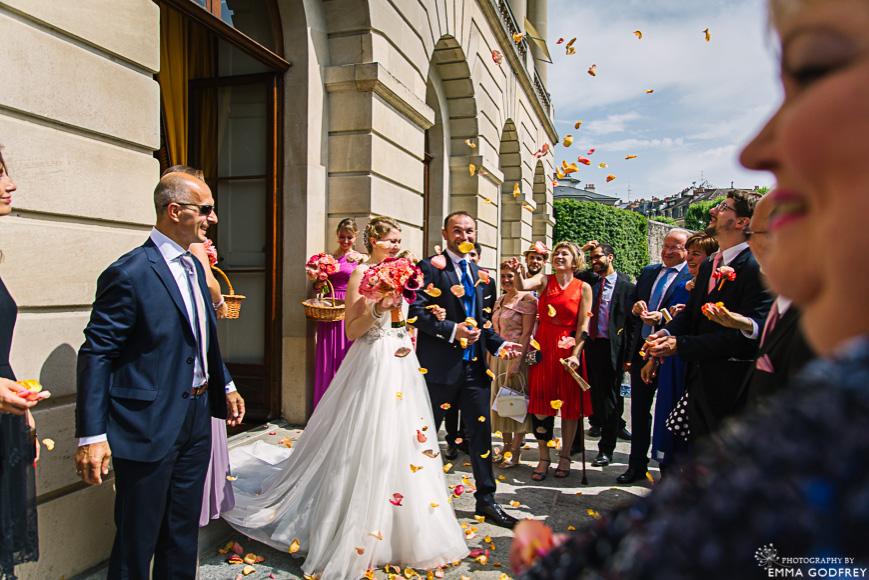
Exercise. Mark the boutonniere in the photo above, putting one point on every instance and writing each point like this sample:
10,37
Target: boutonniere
724,273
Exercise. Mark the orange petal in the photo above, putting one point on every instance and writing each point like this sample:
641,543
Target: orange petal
639,34
447,467
488,323
592,70
466,247
516,191
486,454
483,558
490,373
650,91
568,140
487,200
480,519
471,322
556,404
470,143
601,165
49,443
472,169
559,173
430,453
434,505
399,394
610,177
231,478
445,406
630,157
249,558
463,342
594,514
409,573
570,50
497,57
294,547
570,42
415,468
432,291
518,36
534,344
439,261
414,318
551,311
571,529
514,503
403,351
552,443
458,290
248,570
649,477
528,207
422,370
578,123
376,535
708,36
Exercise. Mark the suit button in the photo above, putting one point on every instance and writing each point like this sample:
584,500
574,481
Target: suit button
190,360
185,394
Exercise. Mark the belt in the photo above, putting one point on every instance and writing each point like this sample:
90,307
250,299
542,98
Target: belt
196,391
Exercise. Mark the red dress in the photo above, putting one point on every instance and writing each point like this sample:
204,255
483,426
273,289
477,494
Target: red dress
548,381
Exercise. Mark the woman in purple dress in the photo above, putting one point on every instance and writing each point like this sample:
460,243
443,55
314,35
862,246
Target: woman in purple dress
332,343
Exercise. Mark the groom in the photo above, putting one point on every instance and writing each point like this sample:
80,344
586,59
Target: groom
456,374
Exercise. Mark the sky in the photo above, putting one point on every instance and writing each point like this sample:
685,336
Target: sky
709,98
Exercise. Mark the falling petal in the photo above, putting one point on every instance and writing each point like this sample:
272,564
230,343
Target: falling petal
487,324
294,546
487,200
430,453
518,36
485,277
601,165
578,123
556,404
559,41
554,183
439,261
470,143
422,370
551,311
458,290
471,322
571,41
534,344
639,34
514,503
49,444
432,291
231,478
570,50
434,505
568,140
590,152
630,156
248,570
610,177
528,207
486,454
552,443
480,519
516,191
490,373
594,514
649,477
571,529
445,406
566,342
376,534
497,57
447,467
396,499
583,160
592,70
403,351
420,436
558,173
472,168
415,468
438,249
650,91
384,245
412,319
708,36
399,394
466,247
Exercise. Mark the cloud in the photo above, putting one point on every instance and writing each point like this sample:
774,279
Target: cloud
611,124
641,144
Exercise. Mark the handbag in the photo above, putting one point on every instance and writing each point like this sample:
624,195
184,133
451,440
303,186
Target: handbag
533,356
677,421
510,403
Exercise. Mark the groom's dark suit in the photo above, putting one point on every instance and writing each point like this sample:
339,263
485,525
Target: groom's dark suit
451,379
135,378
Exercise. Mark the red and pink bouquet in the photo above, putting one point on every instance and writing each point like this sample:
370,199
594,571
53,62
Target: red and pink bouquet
320,266
394,279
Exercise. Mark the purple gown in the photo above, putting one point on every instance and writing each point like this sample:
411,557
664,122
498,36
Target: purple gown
332,343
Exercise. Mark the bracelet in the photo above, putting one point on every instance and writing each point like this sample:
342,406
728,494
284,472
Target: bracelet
374,311
219,304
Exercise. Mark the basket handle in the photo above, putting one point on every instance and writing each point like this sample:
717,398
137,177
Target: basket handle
225,278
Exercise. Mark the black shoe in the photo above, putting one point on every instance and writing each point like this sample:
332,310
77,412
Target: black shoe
594,431
602,460
494,514
631,475
463,447
452,452
624,434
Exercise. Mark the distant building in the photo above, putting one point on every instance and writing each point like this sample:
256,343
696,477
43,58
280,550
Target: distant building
568,188
676,206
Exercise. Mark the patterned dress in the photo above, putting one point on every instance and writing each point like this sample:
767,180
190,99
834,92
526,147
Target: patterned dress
507,322
17,478
548,381
332,343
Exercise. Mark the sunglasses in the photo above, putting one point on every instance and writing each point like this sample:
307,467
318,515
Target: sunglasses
203,209
723,206
749,233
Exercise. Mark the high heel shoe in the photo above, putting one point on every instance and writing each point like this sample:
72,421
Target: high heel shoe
537,476
562,473
514,460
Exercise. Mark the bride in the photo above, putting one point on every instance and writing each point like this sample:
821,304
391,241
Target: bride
364,486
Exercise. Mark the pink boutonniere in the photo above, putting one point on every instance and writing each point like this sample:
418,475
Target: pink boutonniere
724,273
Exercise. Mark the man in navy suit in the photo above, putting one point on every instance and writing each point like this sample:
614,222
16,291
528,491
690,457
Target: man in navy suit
655,287
150,377
718,358
454,352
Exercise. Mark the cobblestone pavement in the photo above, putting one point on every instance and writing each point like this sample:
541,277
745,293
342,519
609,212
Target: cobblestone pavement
562,503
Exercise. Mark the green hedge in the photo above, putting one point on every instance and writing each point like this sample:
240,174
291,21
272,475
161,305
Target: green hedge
625,231
697,215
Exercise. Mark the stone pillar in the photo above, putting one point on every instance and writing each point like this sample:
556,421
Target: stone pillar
537,15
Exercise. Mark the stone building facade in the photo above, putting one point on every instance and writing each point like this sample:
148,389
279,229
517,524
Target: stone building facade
301,113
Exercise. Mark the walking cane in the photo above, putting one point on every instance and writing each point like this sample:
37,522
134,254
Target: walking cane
581,431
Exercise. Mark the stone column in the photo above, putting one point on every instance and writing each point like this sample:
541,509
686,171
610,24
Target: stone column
537,15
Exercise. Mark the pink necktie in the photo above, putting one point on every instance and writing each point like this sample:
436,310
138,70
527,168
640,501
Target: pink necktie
715,262
770,322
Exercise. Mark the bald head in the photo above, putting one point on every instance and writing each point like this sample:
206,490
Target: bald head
759,240
175,187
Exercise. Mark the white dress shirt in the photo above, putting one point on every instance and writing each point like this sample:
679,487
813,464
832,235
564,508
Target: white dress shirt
669,282
782,303
606,299
171,253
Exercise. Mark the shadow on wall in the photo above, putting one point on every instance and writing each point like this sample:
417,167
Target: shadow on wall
58,371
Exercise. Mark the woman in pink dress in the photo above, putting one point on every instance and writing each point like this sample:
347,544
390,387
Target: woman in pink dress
332,343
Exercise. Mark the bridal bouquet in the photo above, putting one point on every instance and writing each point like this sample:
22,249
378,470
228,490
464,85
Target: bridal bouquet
393,279
320,266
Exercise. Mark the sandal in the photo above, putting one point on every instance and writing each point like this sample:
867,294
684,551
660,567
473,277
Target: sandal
536,475
562,473
515,459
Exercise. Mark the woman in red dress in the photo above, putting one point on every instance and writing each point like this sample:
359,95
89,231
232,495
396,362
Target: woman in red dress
564,303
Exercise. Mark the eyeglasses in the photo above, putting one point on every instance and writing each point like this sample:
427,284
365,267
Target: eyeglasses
748,233
723,206
203,209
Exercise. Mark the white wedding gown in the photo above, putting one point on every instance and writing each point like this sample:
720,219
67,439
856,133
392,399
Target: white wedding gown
332,491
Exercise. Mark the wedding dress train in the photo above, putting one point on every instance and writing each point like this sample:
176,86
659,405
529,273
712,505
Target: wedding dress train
367,467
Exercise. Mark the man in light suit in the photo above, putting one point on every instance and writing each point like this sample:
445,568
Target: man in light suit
655,287
150,377
456,374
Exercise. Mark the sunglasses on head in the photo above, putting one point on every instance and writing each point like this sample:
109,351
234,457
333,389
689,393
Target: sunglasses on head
203,209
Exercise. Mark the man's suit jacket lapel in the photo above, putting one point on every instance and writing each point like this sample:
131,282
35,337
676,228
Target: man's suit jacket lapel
680,277
646,294
782,329
737,263
158,264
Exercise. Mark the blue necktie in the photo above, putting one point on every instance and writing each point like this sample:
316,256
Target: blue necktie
468,302
655,300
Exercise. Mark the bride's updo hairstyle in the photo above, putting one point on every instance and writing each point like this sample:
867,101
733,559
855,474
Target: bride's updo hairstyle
378,227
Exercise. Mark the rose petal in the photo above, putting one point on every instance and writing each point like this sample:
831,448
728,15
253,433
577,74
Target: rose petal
431,453
470,143
432,291
458,290
551,311
497,57
472,169
445,406
447,467
466,247
420,436
516,190
630,156
534,344
592,70
376,535
49,443
556,404
403,351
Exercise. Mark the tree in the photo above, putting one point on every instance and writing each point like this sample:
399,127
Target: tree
624,230
697,215
664,220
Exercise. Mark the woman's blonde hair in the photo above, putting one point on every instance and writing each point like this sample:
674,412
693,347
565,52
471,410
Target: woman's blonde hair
347,224
575,251
378,227
409,255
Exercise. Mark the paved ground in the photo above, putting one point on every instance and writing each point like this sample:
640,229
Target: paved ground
562,503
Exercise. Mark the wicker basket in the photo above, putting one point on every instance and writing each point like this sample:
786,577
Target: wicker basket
233,301
325,309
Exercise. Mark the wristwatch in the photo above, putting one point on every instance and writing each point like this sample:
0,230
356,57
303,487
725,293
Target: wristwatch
584,335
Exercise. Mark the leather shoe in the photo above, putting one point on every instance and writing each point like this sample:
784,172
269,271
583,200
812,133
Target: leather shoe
451,452
631,475
594,431
624,434
602,460
494,514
